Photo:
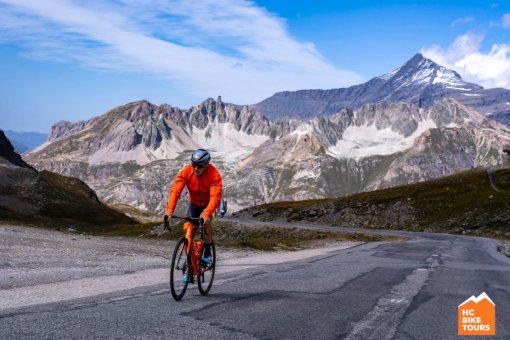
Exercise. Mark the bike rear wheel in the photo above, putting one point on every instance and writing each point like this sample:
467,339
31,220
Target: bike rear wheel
206,276
180,269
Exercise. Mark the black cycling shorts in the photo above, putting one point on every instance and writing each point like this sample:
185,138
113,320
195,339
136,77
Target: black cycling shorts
194,210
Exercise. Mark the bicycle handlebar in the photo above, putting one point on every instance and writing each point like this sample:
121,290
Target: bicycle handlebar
193,220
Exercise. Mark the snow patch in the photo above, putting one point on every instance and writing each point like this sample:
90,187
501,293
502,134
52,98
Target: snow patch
303,129
168,149
423,76
389,75
471,94
224,141
304,174
366,140
458,88
453,125
444,76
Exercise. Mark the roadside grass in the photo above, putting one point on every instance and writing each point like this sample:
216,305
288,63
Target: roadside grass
233,234
227,233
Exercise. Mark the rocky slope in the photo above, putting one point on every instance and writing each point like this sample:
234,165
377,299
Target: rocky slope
29,196
474,202
420,81
378,146
132,153
8,156
142,132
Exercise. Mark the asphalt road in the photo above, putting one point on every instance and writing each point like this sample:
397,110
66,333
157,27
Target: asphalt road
397,290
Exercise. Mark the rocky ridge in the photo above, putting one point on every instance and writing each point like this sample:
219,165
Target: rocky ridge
143,132
131,154
417,144
420,81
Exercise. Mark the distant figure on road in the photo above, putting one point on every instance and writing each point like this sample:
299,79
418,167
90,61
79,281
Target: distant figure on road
223,207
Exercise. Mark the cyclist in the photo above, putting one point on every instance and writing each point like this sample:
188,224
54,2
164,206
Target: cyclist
223,207
204,185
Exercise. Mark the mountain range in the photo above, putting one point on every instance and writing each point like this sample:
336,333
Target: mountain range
419,81
404,127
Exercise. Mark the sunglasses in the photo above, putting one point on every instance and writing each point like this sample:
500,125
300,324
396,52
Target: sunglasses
198,165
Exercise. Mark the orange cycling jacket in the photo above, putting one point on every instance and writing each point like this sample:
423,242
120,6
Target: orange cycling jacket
203,191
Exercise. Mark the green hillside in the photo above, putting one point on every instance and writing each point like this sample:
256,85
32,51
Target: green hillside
52,200
473,202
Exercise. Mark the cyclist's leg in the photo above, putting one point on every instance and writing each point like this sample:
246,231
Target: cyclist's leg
208,261
208,229
193,211
208,237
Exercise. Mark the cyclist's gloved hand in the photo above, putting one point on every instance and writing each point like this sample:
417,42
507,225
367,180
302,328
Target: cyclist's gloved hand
166,220
207,219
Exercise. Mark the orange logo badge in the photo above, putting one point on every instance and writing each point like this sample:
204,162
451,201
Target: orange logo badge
477,316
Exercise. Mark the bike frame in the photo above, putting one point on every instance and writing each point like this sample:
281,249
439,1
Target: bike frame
191,224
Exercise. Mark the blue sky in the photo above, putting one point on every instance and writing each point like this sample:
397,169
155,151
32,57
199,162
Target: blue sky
76,59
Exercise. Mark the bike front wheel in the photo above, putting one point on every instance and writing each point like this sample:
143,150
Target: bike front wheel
180,269
206,275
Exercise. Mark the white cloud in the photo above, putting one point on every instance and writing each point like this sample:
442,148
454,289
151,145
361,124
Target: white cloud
506,21
490,69
228,47
462,21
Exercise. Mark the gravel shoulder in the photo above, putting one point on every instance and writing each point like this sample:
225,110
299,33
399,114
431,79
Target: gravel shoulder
42,266
34,256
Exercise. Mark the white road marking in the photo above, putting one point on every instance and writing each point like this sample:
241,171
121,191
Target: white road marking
382,322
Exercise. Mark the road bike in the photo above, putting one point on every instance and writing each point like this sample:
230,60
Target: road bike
187,265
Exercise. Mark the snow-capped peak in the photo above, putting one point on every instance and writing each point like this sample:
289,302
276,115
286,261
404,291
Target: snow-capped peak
422,71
